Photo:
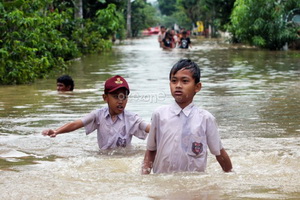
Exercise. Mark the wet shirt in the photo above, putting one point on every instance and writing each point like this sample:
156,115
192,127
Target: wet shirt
167,43
161,36
112,134
184,43
182,138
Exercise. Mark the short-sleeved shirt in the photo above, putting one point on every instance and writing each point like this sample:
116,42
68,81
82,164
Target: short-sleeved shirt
167,43
184,43
181,138
112,134
161,36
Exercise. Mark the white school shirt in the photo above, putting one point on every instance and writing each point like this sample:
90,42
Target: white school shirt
181,138
113,134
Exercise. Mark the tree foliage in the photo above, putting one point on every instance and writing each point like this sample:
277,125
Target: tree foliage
179,18
143,16
212,12
40,36
167,7
262,23
31,43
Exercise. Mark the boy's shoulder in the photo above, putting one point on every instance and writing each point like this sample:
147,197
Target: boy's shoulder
172,109
204,112
104,112
163,108
126,113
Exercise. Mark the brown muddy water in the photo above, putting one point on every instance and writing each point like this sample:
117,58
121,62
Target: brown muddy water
254,94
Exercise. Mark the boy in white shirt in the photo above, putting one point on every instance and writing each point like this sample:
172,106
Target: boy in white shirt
161,35
115,125
181,133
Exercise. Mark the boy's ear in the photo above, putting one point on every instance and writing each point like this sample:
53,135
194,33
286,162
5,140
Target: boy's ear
198,87
104,96
69,88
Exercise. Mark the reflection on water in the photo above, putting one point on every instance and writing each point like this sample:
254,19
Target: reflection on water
254,95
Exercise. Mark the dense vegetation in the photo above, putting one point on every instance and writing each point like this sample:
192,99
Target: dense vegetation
38,37
185,13
263,23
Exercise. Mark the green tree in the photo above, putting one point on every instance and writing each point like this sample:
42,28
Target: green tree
213,12
222,11
142,16
167,7
31,44
96,35
262,23
180,18
38,37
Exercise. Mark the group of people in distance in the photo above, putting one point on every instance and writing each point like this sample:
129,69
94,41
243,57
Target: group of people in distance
169,39
179,134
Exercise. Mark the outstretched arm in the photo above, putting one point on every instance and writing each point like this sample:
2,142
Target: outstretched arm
148,162
224,161
147,128
72,126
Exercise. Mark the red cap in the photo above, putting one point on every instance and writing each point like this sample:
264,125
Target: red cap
115,83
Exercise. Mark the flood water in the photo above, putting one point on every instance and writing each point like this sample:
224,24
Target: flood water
254,94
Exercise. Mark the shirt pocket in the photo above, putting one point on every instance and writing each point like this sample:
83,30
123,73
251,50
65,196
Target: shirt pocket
196,147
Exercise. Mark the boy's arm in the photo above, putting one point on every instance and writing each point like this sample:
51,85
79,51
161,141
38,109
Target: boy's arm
224,161
147,128
148,161
72,126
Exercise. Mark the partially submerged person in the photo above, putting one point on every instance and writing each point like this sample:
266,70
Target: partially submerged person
64,83
115,126
185,41
182,133
161,35
168,41
174,39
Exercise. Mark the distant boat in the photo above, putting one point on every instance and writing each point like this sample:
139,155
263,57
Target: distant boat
151,31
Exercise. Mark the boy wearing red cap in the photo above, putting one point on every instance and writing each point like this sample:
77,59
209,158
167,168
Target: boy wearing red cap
115,125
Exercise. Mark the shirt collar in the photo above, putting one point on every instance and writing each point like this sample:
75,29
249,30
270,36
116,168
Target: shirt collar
177,109
107,114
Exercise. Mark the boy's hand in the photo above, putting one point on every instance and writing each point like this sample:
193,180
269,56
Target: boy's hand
224,161
49,132
146,170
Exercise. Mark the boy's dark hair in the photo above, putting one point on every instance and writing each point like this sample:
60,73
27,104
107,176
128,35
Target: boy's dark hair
168,34
66,80
189,65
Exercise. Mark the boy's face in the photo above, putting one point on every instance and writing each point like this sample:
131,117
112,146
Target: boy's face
62,87
183,87
116,101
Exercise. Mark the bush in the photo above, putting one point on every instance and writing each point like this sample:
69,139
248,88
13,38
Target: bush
31,44
262,23
36,39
